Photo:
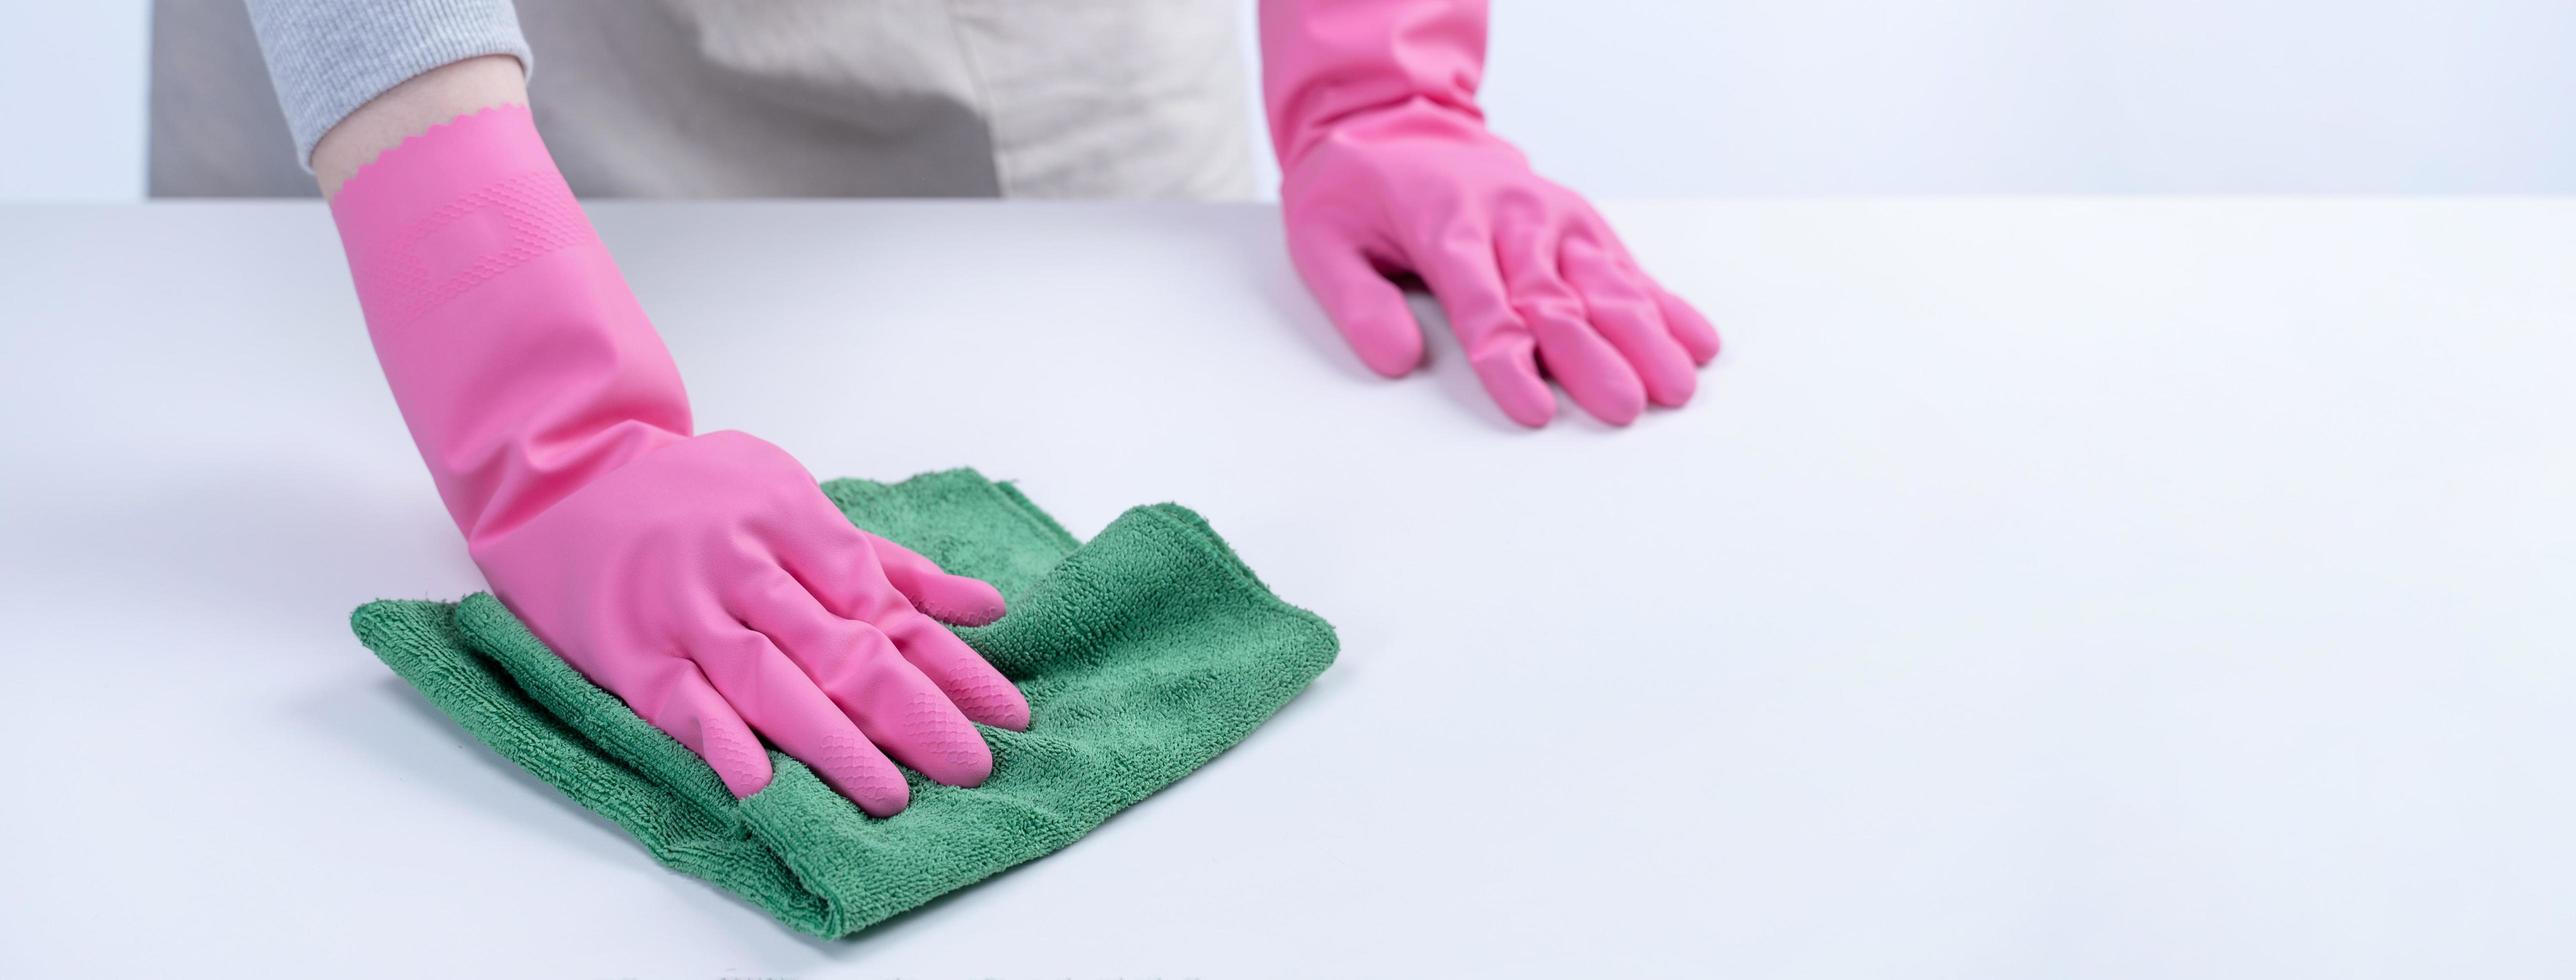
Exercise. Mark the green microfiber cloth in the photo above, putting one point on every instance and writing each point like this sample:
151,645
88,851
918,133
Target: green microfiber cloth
1143,654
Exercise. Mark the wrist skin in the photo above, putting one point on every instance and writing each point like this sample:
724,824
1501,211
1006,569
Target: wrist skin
411,108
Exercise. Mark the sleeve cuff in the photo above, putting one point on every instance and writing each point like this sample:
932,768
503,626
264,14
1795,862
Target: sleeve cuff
328,58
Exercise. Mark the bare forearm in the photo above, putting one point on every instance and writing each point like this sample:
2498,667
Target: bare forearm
409,109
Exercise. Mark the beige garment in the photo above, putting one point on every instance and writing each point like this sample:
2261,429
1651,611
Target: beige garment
793,98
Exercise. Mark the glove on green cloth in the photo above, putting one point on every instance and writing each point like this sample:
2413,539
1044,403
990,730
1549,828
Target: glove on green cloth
1143,654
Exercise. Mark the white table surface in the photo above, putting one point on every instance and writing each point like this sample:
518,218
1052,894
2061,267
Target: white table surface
2038,588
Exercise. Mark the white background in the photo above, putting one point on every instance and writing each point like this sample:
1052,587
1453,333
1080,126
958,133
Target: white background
2043,588
1634,98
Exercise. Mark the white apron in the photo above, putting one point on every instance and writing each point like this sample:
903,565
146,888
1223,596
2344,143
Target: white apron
793,98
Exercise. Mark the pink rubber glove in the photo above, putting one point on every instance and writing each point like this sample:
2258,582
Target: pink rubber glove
704,579
1388,169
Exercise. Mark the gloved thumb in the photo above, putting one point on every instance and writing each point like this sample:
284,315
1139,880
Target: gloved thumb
1369,310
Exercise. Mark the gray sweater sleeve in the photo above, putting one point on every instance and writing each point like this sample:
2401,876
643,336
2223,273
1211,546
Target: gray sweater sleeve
328,57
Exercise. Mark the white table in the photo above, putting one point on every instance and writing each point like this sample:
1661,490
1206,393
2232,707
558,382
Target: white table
2038,588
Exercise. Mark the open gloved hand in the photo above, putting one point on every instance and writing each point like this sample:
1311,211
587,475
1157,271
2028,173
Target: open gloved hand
1387,168
706,580
710,584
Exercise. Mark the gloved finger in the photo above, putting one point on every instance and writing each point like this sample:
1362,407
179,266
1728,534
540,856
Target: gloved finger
845,569
1622,306
978,690
952,598
1688,327
1461,272
972,684
687,708
1367,308
858,666
780,702
1592,372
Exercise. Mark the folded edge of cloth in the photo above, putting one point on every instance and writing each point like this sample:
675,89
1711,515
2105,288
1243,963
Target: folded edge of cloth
1144,654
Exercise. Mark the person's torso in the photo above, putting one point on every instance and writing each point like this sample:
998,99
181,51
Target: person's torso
794,98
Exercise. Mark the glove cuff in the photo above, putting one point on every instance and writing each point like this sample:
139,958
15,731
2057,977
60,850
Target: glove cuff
1326,62
523,366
